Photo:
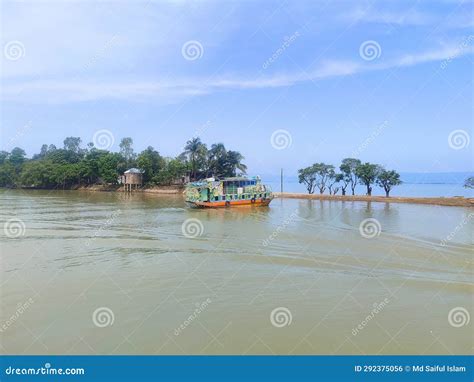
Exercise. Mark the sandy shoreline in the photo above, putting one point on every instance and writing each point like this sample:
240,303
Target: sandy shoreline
440,201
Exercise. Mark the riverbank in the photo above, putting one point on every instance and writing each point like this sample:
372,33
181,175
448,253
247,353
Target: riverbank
166,190
450,201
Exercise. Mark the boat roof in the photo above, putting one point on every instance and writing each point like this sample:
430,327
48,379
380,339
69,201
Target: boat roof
204,182
134,170
235,178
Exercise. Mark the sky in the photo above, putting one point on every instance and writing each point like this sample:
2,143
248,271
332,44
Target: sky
286,83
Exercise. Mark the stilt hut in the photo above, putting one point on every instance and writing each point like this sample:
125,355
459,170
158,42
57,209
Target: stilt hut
132,179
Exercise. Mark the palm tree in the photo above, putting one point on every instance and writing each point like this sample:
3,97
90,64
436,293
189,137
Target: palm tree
194,149
216,159
234,162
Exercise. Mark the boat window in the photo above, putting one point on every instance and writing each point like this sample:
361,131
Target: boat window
223,197
216,198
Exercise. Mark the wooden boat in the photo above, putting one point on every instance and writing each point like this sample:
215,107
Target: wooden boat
228,192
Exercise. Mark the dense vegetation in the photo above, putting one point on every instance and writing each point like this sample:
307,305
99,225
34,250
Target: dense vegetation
74,165
323,176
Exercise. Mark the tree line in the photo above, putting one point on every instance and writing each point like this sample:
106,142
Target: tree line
74,165
352,171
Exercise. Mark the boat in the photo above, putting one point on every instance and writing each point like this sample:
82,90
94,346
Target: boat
228,192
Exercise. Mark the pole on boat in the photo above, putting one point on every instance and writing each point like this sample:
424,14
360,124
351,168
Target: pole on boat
281,180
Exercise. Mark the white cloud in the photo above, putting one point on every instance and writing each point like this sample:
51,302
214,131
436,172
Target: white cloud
409,17
171,91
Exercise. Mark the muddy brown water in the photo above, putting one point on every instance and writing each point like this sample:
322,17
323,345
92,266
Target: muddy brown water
107,273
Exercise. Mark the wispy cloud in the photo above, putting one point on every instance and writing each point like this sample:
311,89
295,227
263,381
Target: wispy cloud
408,17
171,91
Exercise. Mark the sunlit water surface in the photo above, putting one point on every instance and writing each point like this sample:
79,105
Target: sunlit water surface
157,289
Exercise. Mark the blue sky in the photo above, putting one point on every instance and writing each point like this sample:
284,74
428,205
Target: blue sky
389,82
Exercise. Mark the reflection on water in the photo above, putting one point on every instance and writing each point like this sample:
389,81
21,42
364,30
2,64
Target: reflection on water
168,289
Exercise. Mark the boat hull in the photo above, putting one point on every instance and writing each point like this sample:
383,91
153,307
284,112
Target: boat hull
232,203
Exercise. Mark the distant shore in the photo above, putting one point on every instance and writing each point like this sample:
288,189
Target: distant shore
439,201
455,201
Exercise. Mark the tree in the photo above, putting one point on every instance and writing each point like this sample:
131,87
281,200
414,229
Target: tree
367,174
345,180
107,166
307,176
40,173
323,174
126,150
7,174
469,182
388,179
348,168
216,160
3,156
234,162
72,144
173,171
151,162
42,154
333,180
17,157
197,153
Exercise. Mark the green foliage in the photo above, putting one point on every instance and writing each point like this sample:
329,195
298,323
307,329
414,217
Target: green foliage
7,174
318,175
17,157
126,150
217,161
307,176
196,153
367,174
348,168
107,167
323,176
151,162
174,169
72,165
388,179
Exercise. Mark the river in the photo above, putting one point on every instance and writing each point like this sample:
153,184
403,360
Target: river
109,273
